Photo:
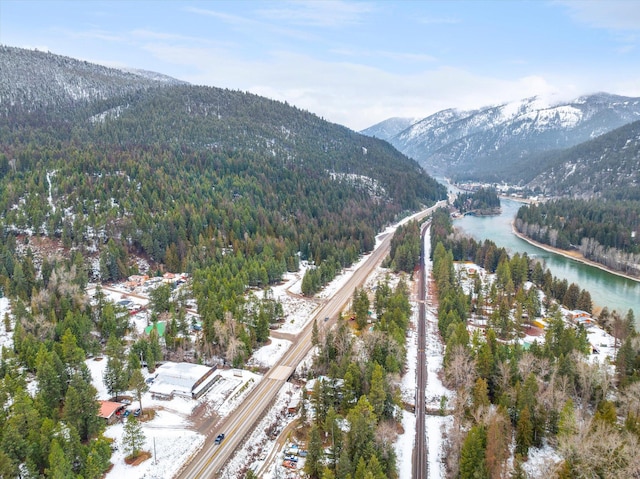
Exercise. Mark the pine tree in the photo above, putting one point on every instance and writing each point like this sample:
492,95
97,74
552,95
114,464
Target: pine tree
361,469
567,424
377,395
313,465
59,464
374,468
472,454
133,438
81,408
524,433
333,430
314,333
344,467
138,385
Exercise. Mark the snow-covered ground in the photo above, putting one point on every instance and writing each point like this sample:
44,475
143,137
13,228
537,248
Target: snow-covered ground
404,445
268,355
170,436
6,337
436,430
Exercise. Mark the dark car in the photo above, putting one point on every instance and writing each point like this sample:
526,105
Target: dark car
137,412
219,439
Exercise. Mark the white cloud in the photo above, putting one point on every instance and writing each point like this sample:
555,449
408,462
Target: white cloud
439,20
353,94
614,15
246,24
332,13
393,55
95,34
225,17
153,35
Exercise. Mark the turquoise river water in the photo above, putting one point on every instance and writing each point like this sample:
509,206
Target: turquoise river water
606,289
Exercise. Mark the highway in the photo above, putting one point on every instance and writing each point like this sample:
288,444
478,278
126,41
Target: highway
209,461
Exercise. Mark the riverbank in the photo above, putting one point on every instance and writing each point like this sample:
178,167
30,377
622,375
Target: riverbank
574,255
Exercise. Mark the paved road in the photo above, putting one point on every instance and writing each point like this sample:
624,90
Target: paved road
208,462
419,470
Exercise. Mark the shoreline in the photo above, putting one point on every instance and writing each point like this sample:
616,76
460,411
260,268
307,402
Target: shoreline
577,257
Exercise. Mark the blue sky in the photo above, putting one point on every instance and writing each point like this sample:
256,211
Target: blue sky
352,62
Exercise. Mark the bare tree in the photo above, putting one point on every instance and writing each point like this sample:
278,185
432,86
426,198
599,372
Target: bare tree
600,450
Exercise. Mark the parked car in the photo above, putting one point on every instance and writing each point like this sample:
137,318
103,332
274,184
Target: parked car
219,439
126,413
137,412
290,465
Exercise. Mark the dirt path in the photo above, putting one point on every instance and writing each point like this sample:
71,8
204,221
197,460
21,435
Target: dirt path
281,441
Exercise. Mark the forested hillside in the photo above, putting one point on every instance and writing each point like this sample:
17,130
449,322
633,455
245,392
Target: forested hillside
184,175
607,166
102,171
603,231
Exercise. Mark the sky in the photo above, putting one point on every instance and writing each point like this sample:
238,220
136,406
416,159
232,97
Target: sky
352,62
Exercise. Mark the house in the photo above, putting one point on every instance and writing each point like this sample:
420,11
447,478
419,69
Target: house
182,379
109,410
159,326
293,406
577,314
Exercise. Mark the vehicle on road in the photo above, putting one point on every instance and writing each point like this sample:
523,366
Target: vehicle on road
219,439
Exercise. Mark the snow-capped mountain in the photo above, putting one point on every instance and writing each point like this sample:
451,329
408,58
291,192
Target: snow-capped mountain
387,129
499,142
32,80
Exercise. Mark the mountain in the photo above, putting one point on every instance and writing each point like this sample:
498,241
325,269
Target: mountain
607,166
103,159
33,80
503,142
387,129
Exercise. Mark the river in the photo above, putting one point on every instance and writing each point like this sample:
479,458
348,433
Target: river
606,289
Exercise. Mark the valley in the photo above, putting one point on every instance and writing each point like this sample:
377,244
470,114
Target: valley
246,283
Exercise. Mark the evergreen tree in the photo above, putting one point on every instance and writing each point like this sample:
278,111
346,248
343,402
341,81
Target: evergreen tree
59,464
524,433
115,376
344,467
377,394
472,454
361,307
138,385
313,464
81,408
133,437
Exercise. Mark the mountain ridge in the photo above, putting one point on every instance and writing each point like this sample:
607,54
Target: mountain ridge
127,159
493,142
